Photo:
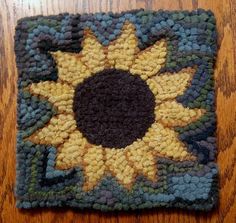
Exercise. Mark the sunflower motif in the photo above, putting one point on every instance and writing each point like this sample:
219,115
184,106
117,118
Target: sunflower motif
116,111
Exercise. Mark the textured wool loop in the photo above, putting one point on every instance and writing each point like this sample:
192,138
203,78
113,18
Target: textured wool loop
116,111
113,108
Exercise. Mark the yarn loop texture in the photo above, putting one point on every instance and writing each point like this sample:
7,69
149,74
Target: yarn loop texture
116,111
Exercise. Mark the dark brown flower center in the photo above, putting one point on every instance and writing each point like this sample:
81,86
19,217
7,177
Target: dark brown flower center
113,108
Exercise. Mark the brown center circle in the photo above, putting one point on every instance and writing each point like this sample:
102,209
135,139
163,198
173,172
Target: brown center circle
113,108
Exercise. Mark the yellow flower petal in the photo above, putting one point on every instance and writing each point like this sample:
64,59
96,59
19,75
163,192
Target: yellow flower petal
122,51
60,95
117,163
70,153
56,132
142,159
94,167
150,61
165,143
93,55
169,86
70,67
171,114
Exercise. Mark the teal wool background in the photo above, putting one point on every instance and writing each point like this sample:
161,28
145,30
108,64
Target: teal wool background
191,42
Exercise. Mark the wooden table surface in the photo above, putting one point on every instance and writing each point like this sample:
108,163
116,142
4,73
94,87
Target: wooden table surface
225,79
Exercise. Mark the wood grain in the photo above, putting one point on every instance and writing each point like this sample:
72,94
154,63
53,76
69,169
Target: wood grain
225,76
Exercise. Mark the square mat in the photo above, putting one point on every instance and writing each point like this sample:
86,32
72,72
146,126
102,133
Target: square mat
116,111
